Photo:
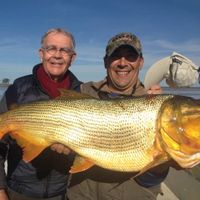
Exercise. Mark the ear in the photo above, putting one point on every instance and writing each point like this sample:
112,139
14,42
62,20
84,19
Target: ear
73,57
141,62
41,54
105,62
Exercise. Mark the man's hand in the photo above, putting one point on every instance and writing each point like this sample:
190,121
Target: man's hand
3,195
60,148
155,89
183,160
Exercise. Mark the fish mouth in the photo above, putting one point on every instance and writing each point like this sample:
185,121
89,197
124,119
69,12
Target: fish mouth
179,124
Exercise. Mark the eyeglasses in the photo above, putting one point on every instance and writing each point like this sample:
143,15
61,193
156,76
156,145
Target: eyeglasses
53,50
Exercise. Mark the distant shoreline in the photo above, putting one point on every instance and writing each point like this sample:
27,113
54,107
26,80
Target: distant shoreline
5,85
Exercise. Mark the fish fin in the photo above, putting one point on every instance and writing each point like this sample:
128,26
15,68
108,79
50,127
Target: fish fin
31,151
31,146
70,94
80,164
151,165
158,155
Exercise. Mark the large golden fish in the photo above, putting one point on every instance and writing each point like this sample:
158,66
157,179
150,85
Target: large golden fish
127,135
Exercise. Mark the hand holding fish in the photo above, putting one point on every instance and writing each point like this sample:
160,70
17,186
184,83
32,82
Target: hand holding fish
60,148
184,161
155,89
3,195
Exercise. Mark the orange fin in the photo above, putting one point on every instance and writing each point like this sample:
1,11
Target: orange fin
158,155
31,151
31,145
159,160
80,164
70,94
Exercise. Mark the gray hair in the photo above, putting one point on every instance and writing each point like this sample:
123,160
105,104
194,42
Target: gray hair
58,30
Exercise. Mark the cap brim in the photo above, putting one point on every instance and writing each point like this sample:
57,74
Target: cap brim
157,72
123,43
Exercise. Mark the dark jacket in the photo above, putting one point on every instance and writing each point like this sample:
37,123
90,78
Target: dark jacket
46,175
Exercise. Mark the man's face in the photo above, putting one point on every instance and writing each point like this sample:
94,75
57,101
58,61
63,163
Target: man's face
57,55
123,68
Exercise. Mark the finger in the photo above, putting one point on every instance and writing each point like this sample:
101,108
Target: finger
66,151
53,147
185,161
57,147
60,148
149,92
155,89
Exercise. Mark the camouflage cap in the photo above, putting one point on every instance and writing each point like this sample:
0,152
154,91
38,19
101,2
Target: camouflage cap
123,39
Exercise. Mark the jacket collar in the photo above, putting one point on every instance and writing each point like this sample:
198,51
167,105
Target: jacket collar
75,82
137,90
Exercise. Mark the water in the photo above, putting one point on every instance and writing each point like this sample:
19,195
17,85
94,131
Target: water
192,92
2,90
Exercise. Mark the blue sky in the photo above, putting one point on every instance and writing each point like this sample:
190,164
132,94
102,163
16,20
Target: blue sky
163,26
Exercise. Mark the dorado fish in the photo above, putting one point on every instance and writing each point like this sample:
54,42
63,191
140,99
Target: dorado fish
128,135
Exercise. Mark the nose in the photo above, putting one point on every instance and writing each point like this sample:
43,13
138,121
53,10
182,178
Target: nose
122,61
58,53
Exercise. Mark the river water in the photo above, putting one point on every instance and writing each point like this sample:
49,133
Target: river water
193,91
2,90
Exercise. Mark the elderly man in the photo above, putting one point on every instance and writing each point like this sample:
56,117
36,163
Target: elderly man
46,177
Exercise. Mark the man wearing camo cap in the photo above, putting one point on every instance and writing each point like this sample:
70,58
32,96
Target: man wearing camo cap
123,61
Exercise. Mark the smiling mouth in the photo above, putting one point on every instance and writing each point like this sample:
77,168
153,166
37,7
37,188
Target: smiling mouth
56,64
122,73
